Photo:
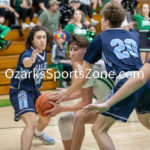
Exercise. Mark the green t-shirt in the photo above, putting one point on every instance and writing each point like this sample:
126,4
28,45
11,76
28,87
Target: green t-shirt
50,20
106,1
143,23
73,29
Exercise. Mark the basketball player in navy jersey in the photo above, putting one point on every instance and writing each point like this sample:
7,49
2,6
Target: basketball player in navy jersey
120,50
26,80
143,106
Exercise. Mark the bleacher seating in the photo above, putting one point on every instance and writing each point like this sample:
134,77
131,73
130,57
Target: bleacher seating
141,2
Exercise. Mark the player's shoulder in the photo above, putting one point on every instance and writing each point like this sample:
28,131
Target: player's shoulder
133,35
27,52
97,38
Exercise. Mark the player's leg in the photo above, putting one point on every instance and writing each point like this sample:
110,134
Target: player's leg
42,123
100,132
143,106
23,104
144,119
65,127
148,56
119,111
29,119
143,57
80,119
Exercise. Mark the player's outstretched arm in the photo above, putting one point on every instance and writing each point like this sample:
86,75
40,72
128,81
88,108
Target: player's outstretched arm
128,88
75,95
77,84
87,94
28,61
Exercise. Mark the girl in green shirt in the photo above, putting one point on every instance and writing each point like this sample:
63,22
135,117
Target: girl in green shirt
76,27
143,22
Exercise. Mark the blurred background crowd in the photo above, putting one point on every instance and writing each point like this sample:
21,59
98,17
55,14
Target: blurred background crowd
62,18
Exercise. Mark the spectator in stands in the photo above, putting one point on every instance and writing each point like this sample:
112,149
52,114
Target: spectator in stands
64,2
59,54
3,32
75,4
92,28
8,13
50,18
24,8
106,1
91,33
42,5
143,22
76,27
85,7
95,2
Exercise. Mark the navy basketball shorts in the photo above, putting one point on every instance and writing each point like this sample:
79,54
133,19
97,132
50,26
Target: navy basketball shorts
122,110
143,105
23,101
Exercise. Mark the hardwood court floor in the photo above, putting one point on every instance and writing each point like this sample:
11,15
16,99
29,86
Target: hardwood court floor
126,136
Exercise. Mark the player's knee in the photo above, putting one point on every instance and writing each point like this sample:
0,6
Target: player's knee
44,120
63,121
65,124
31,124
79,118
29,120
96,129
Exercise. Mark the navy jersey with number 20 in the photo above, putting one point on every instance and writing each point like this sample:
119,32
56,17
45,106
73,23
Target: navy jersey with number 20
119,49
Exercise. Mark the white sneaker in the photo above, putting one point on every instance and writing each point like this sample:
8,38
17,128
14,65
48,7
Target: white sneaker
24,25
94,13
31,25
94,22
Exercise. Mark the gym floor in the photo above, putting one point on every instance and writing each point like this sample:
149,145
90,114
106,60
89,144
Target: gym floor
126,136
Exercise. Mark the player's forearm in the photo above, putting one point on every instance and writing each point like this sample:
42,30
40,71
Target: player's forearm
27,62
76,85
73,107
75,95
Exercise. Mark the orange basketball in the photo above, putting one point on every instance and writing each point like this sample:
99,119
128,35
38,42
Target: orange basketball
42,104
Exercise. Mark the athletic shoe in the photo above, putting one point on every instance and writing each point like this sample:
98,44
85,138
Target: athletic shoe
94,13
94,22
24,25
32,25
45,139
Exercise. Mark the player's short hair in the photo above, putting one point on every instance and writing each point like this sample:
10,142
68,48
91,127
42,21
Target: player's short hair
79,40
30,37
114,13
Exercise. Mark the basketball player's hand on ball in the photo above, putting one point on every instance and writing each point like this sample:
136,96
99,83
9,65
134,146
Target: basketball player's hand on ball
34,55
54,111
60,95
96,107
